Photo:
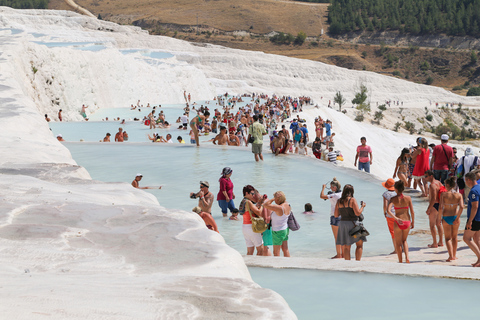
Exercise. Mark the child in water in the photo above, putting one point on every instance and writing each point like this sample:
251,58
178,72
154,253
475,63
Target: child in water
234,215
308,209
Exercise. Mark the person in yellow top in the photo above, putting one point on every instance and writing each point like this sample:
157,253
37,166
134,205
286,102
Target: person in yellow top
180,139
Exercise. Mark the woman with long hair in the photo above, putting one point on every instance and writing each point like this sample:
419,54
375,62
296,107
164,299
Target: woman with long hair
253,240
403,220
401,167
451,208
225,195
347,208
333,196
422,164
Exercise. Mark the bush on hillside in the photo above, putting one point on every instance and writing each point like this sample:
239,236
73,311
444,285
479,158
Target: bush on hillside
473,91
300,39
282,38
25,4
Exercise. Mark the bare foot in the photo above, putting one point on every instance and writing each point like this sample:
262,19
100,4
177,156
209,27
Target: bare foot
450,259
407,261
476,264
440,244
433,245
336,257
393,252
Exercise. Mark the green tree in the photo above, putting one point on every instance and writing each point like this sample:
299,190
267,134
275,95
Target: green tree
300,39
340,99
473,57
361,99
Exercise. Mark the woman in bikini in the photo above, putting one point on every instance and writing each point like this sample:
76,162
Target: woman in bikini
451,207
401,168
197,121
403,220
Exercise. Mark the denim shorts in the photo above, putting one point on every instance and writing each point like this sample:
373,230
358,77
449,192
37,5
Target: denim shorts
334,221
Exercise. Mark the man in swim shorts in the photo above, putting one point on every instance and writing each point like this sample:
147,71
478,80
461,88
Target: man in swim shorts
432,211
119,135
471,236
222,138
257,131
205,197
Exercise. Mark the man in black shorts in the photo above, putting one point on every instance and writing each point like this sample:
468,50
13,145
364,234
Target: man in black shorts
471,236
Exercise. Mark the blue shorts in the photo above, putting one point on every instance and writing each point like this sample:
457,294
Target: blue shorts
334,221
224,205
364,166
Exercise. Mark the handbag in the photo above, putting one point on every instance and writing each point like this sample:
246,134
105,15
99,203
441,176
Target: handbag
358,231
292,222
258,223
251,139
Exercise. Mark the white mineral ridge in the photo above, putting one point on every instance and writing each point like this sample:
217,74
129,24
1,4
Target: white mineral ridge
74,248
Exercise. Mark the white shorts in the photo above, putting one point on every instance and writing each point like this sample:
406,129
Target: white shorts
252,239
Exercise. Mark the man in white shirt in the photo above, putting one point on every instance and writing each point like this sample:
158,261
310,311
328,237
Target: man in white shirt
184,120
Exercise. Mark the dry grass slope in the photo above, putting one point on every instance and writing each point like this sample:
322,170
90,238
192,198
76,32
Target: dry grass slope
216,18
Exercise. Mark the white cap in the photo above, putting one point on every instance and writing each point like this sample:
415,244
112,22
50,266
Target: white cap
469,151
59,136
444,137
139,175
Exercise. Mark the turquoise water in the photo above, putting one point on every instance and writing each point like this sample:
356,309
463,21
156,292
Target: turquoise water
326,295
149,53
95,129
180,168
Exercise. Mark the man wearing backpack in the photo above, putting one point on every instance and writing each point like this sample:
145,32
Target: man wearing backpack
466,164
442,159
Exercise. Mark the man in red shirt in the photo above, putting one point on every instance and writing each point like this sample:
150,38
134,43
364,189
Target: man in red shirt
363,152
442,159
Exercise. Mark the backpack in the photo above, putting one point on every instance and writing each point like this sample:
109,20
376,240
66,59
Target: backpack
460,172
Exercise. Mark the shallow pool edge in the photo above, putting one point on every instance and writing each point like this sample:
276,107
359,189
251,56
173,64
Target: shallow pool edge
381,267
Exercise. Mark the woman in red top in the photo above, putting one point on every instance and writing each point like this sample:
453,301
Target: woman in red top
225,195
422,153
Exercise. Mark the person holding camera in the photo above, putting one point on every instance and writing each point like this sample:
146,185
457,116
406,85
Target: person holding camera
205,197
333,196
347,208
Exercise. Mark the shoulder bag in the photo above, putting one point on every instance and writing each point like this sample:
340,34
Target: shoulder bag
292,222
258,223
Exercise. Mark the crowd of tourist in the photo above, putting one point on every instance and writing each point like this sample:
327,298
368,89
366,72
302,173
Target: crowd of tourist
449,182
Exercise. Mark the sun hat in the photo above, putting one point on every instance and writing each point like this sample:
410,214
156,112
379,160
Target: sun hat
389,184
469,151
197,210
59,136
205,183
444,137
139,175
